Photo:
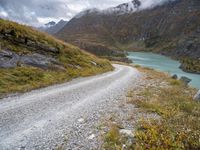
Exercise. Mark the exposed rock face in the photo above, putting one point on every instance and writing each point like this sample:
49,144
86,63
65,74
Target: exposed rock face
24,41
9,59
41,46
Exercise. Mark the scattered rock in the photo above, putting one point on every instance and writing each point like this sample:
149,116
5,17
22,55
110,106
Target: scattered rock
94,63
174,76
92,136
185,80
77,67
127,133
197,96
81,120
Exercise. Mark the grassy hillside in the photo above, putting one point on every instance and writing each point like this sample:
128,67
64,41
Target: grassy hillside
31,59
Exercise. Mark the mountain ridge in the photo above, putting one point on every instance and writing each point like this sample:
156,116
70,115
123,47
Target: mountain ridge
53,27
171,29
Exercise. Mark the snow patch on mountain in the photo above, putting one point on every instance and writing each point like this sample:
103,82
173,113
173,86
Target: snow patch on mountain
124,8
88,11
130,7
135,5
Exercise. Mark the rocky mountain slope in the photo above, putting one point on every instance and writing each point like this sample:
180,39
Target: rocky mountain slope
171,28
30,59
53,27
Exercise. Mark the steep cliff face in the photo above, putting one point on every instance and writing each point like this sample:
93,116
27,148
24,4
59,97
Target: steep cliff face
172,28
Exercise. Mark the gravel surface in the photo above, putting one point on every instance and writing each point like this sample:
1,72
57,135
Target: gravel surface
65,114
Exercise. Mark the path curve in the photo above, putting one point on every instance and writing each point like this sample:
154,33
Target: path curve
39,119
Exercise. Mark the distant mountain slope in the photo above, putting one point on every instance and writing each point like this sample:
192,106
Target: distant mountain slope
171,28
52,27
30,59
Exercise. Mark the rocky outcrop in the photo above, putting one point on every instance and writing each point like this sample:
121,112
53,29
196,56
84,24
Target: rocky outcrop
11,36
9,59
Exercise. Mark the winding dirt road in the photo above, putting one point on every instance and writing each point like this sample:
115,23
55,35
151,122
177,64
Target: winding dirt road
41,118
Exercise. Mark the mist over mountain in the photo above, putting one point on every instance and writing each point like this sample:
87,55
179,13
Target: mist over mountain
37,12
130,7
169,27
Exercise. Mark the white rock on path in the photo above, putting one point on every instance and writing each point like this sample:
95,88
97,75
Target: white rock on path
81,120
197,96
92,136
126,132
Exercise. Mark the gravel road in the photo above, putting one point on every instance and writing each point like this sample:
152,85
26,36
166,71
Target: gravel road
45,118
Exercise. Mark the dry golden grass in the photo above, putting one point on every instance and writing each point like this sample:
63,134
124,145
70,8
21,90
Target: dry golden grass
178,125
25,78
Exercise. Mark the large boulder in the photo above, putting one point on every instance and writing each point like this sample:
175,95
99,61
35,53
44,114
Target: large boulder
8,59
197,96
174,76
185,80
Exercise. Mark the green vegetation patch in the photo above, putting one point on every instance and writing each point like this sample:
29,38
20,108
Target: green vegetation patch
26,78
178,127
190,65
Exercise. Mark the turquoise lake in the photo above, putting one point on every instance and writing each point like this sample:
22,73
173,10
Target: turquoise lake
164,64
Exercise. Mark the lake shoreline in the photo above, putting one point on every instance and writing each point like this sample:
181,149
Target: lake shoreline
163,63
169,56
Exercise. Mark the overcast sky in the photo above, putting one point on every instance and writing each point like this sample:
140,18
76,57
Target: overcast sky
38,12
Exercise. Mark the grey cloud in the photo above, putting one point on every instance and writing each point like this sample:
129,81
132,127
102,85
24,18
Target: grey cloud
37,12
29,11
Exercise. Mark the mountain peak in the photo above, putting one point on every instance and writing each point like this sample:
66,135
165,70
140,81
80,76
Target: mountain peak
53,27
131,6
49,24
